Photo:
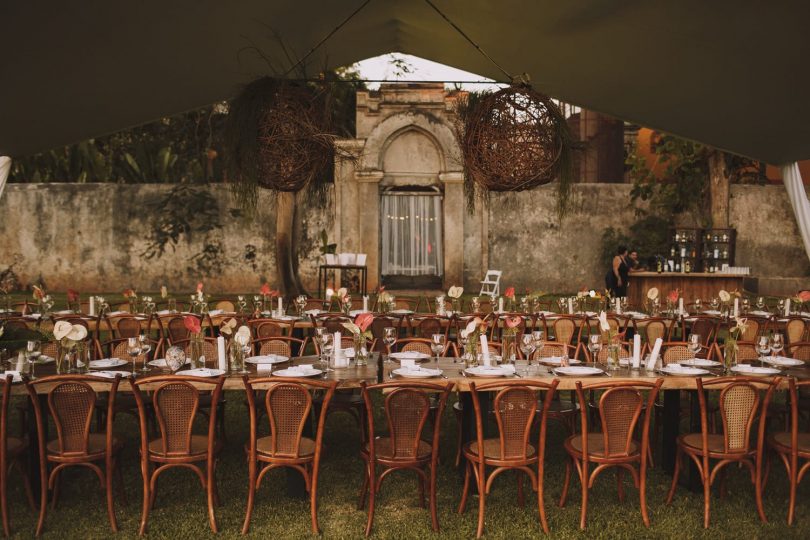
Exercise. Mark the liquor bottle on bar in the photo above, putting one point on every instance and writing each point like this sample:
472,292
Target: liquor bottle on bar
687,267
659,266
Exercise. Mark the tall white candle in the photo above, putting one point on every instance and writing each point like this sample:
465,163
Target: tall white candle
337,349
485,350
636,351
654,354
618,306
680,306
280,307
500,305
787,307
92,306
365,304
736,307
570,306
223,361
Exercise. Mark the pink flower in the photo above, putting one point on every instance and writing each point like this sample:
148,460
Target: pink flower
38,292
129,293
199,286
72,295
804,296
673,295
513,322
192,324
363,321
510,292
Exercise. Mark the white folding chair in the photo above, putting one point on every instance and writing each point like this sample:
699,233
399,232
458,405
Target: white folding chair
491,286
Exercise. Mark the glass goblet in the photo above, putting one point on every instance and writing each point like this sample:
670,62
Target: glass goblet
389,338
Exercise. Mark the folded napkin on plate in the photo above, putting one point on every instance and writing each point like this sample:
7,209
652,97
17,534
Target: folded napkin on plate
303,369
215,312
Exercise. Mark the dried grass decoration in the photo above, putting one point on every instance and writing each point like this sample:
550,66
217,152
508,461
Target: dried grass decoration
513,140
280,137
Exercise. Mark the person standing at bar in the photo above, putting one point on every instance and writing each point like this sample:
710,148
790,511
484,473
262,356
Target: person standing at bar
616,277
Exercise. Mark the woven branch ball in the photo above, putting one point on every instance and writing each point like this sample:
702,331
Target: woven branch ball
295,147
511,140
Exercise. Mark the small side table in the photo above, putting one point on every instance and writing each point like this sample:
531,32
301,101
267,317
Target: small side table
323,275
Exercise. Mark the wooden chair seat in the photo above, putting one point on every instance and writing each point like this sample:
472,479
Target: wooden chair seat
694,441
492,450
385,450
596,446
198,449
96,445
782,441
306,448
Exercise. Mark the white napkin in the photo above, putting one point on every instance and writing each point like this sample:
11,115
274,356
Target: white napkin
222,360
636,351
654,355
485,350
408,363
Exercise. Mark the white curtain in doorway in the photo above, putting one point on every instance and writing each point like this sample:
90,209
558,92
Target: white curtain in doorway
798,200
412,235
5,168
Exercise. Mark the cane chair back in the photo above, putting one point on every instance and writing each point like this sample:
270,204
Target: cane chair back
411,304
795,330
753,328
706,328
406,411
678,351
288,406
176,405
71,405
126,327
552,348
176,330
655,329
499,325
427,326
264,328
619,412
419,345
564,330
378,326
314,303
800,350
746,352
739,404
275,346
225,305
514,410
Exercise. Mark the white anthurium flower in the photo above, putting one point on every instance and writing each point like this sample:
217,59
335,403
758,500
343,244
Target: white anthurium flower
330,293
351,327
243,331
652,293
592,293
228,326
61,330
342,292
200,296
724,296
77,332
455,292
603,322
164,292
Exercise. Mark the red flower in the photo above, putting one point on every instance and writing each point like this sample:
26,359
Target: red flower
72,295
265,290
804,296
510,292
128,293
673,295
363,321
192,324
513,322
199,286
38,293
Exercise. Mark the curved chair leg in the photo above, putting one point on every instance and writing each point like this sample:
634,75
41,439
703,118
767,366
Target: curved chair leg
566,483
251,495
465,490
313,500
584,511
147,500
541,505
675,474
642,495
707,491
482,494
210,492
434,513
792,505
43,498
361,503
372,495
108,488
620,483
3,502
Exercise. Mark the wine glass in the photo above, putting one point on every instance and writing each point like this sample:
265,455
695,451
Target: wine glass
257,304
476,304
763,348
777,344
437,346
243,343
133,350
624,303
698,307
300,304
746,305
562,302
694,344
595,345
242,303
146,346
171,305
527,346
715,303
780,306
328,346
389,338
537,339
32,354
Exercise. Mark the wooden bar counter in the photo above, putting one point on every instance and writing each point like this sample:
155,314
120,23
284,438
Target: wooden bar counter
692,285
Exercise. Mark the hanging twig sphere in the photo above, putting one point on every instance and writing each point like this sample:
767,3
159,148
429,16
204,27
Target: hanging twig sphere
513,139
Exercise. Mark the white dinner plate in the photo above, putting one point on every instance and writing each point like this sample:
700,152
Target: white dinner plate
43,359
490,371
756,371
161,363
203,372
700,362
711,312
417,373
686,371
783,361
267,359
578,371
295,372
105,363
557,360
111,374
402,312
408,355
760,313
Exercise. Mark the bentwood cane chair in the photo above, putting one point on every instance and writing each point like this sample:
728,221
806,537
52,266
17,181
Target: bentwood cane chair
407,408
739,405
515,406
13,452
289,404
71,402
176,402
792,446
620,407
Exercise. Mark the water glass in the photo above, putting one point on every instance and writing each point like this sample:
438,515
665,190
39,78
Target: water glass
389,338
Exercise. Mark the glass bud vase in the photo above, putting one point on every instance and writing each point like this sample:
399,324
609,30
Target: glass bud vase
360,351
508,348
82,358
195,351
470,355
730,354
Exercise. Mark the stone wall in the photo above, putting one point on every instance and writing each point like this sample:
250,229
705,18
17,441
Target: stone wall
92,237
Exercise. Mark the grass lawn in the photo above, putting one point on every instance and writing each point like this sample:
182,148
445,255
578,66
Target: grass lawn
180,507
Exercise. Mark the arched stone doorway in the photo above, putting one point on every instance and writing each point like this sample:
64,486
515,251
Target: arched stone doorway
405,144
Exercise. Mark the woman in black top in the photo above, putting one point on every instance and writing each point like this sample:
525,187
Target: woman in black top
616,278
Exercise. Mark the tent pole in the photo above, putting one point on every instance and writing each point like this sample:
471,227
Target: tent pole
792,178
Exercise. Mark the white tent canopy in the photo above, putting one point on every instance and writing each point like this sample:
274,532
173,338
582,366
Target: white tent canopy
730,74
